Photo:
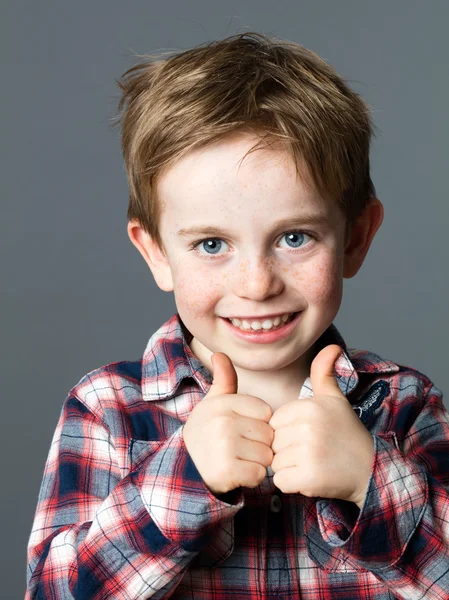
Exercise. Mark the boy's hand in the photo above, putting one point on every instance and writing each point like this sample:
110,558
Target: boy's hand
321,447
227,434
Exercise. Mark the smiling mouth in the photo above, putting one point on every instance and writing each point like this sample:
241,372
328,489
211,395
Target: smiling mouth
263,330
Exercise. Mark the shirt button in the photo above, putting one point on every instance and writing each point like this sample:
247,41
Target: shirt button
275,504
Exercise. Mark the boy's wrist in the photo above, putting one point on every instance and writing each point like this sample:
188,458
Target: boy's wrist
359,498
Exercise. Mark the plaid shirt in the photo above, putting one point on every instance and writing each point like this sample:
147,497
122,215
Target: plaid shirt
123,512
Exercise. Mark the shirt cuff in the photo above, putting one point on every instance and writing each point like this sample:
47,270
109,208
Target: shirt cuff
394,504
180,503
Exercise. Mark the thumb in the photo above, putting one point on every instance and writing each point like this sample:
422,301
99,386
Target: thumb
225,376
322,374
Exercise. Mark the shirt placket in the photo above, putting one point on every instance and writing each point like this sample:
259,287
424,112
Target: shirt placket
281,572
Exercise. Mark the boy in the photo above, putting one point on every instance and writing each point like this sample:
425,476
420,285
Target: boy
303,469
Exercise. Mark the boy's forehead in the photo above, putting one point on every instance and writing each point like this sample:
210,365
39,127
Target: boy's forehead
233,160
216,178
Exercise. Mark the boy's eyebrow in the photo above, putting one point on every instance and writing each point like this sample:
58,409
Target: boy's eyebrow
311,219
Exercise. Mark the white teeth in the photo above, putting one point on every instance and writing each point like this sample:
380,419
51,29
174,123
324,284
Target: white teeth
256,325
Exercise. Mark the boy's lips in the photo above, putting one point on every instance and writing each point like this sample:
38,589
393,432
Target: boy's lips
264,336
262,317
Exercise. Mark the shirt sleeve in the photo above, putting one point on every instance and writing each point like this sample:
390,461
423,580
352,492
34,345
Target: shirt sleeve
401,533
98,534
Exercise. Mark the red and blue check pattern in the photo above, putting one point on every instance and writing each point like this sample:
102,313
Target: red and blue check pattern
123,513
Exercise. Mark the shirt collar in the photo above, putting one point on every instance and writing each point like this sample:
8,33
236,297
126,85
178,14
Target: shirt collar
168,359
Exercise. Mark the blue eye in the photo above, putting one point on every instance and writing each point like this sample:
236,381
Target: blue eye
296,234
213,245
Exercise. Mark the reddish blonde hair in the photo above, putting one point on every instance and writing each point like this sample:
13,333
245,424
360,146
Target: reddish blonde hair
178,101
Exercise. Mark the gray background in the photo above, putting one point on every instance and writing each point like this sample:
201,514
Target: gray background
77,294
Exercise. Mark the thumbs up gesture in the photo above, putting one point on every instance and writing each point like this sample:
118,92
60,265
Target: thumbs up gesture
227,434
321,448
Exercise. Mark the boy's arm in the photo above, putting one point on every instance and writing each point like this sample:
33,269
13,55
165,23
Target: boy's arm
97,535
401,533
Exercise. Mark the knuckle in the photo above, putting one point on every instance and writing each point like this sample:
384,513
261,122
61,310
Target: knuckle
263,454
260,473
264,410
254,475
314,410
269,456
224,424
269,435
309,485
308,433
222,471
216,406
268,412
263,473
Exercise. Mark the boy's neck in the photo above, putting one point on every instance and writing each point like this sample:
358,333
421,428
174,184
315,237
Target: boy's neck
274,387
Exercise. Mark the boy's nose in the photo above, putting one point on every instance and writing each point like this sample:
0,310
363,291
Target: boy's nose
257,280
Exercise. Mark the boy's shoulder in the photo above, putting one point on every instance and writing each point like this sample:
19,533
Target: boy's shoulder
367,362
131,385
359,368
389,396
169,377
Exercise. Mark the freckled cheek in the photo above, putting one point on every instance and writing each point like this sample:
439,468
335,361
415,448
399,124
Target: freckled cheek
320,281
198,293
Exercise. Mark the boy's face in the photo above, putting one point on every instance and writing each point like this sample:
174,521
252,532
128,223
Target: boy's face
247,264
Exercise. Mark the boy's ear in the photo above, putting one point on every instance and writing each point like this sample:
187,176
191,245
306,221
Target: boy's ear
361,236
152,254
